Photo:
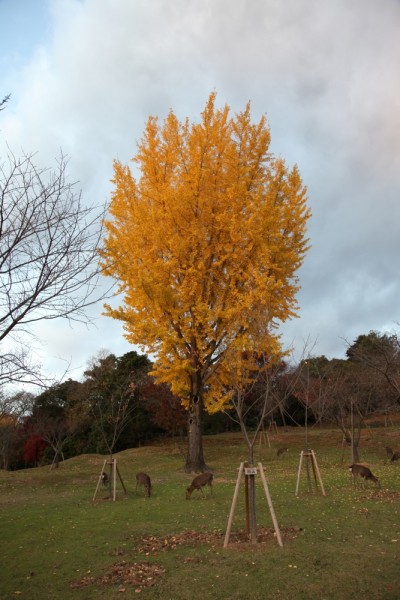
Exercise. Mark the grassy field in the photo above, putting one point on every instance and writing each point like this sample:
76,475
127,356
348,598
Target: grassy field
57,544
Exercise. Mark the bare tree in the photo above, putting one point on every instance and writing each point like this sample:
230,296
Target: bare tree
113,415
256,393
55,431
341,392
17,365
49,245
253,399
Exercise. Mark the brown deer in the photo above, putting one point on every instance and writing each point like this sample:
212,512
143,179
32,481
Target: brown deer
198,483
395,456
389,451
358,470
144,480
282,451
392,455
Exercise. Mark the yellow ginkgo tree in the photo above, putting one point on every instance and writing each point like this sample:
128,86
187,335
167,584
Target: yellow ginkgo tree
205,243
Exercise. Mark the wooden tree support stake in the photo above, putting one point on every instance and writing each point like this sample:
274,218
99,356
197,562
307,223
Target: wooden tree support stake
234,502
264,439
309,455
271,508
273,427
113,472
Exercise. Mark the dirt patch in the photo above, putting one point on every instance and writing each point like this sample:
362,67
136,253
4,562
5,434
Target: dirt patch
141,575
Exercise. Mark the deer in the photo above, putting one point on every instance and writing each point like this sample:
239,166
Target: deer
392,455
142,479
389,451
395,456
282,451
198,483
358,470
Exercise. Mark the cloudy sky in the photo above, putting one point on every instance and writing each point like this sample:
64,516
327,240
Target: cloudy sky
85,74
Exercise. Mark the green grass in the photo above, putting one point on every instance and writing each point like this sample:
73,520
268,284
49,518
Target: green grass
53,535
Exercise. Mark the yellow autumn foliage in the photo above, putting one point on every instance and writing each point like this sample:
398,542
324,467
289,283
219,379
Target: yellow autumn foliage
205,243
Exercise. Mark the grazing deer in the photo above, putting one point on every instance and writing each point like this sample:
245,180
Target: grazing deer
389,451
144,480
358,470
282,451
198,483
392,455
104,478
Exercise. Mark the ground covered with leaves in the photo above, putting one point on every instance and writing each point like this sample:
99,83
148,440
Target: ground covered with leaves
146,574
153,545
388,495
140,575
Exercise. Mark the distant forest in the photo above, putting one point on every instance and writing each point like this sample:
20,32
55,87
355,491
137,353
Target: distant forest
119,405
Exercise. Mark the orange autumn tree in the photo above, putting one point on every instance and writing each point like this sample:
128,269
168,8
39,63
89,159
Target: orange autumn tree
205,244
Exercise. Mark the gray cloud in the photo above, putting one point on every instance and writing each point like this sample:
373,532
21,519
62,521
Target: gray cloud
325,73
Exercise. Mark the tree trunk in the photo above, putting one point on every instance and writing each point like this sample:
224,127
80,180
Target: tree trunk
252,509
252,498
352,440
195,458
355,453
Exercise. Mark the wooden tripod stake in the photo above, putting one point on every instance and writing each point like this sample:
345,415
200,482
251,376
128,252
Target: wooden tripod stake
251,471
113,472
264,439
310,457
273,427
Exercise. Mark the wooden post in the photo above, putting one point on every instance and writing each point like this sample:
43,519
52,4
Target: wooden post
310,455
252,507
246,502
263,439
299,473
120,478
234,502
307,455
233,507
114,478
113,472
271,508
313,467
352,432
318,472
273,426
99,480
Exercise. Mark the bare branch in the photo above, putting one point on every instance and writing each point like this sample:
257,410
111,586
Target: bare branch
4,101
49,245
